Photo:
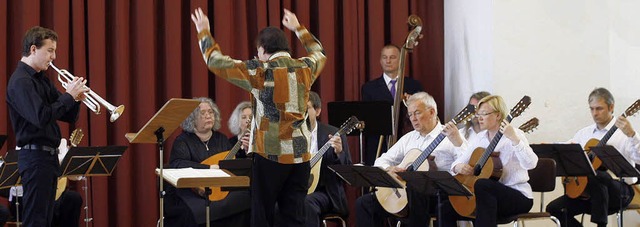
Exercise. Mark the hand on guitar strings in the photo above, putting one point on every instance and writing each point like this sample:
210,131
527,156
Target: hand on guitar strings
623,124
395,169
507,130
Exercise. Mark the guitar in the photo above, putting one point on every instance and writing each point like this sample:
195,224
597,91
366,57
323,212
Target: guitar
486,164
216,193
575,188
316,160
530,125
74,140
394,200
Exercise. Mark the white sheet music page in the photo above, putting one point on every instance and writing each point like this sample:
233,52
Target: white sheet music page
173,175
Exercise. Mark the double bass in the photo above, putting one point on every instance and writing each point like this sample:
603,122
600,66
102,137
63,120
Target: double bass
412,41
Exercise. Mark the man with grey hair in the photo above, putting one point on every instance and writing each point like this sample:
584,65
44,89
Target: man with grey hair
423,115
605,194
199,141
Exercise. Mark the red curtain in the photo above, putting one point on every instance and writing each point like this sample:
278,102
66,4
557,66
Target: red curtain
141,53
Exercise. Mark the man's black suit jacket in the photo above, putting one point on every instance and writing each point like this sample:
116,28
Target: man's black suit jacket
331,182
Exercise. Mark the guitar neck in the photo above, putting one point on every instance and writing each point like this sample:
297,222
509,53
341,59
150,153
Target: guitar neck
316,158
234,150
609,133
426,152
492,146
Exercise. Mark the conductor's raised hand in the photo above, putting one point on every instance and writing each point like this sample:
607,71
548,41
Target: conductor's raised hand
290,20
200,20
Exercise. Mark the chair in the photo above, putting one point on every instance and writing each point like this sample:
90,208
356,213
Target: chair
333,217
542,179
635,202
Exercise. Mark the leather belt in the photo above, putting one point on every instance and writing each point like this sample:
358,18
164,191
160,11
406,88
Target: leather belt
49,149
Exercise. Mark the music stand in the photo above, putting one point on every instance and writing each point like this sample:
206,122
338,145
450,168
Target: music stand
161,126
618,164
365,176
434,183
571,161
198,178
370,112
10,177
91,161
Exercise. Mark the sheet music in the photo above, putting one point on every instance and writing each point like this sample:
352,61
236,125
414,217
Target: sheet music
174,174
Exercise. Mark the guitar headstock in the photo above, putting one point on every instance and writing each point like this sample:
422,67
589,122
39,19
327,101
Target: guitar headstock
522,105
464,115
530,125
76,137
349,125
412,39
633,109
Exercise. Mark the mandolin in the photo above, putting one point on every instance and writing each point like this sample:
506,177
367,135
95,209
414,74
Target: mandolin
316,160
486,164
575,188
394,200
216,193
74,140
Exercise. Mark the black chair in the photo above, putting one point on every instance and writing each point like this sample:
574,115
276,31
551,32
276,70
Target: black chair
542,179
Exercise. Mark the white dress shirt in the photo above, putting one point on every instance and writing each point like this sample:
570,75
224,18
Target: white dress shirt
627,146
314,141
445,152
472,134
516,159
387,81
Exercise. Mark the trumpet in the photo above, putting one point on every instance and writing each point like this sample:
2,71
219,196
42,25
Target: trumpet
92,100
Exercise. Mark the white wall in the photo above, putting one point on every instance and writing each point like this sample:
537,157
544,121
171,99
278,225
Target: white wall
557,52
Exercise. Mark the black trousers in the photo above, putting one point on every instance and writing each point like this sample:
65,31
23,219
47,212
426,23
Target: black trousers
4,215
493,200
317,204
605,194
66,210
284,184
369,212
39,171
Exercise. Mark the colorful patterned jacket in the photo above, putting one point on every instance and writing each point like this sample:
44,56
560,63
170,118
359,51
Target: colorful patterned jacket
280,87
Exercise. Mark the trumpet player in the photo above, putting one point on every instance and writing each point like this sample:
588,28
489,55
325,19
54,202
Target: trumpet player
35,106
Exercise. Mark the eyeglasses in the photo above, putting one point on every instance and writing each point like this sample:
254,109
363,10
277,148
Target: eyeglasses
484,114
205,112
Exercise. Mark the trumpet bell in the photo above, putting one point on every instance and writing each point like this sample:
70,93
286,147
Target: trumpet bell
115,114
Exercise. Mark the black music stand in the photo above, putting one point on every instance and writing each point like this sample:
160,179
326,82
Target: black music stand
371,113
365,176
435,183
618,164
10,177
159,127
91,161
571,161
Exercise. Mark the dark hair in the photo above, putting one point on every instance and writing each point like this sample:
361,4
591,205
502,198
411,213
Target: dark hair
36,36
273,40
314,98
602,93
